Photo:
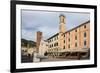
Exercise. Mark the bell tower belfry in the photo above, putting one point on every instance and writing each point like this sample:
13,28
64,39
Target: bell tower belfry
61,31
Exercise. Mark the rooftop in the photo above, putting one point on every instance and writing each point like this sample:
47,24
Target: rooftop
70,29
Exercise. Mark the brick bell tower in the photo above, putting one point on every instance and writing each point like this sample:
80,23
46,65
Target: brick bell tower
61,31
38,40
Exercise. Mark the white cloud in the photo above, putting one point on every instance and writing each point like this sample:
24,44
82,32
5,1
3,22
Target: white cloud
48,22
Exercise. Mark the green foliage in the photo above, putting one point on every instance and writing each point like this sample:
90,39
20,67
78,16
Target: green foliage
25,42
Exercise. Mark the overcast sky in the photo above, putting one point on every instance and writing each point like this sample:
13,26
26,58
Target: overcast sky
48,22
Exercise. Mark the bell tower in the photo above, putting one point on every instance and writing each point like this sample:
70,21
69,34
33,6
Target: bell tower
61,31
38,40
62,24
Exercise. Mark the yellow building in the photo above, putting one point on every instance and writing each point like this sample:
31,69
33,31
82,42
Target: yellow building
53,43
76,39
56,41
43,47
61,32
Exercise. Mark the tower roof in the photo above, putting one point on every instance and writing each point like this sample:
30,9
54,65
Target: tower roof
61,15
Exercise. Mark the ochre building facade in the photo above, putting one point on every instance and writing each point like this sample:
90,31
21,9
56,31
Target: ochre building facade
76,39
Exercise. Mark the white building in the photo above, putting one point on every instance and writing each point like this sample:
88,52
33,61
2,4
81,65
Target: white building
43,47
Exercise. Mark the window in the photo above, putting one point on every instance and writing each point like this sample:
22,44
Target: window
61,34
75,37
84,34
76,30
52,39
84,26
64,47
69,33
64,41
55,38
52,45
85,43
69,39
57,44
69,46
75,44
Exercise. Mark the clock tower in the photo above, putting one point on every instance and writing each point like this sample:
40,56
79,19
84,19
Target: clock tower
61,31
